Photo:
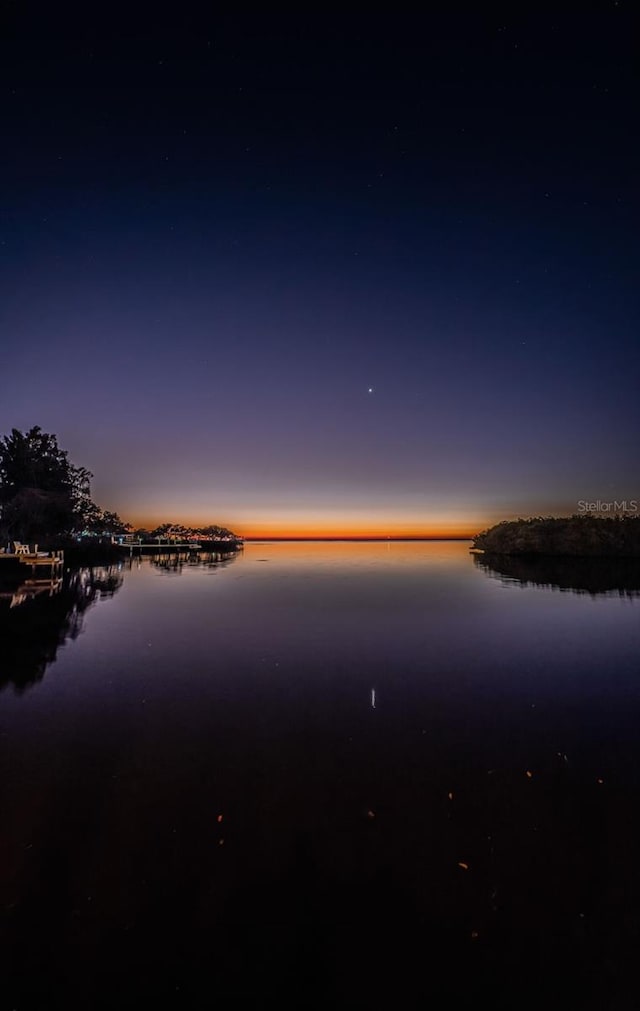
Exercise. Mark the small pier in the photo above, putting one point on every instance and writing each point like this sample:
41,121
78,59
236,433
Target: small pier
161,547
52,560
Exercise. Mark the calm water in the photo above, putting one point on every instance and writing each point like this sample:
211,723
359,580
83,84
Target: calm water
341,774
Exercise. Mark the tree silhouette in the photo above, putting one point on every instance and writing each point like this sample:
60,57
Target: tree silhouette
33,631
42,494
104,523
564,535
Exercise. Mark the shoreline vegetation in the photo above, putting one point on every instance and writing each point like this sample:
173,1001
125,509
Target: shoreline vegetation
46,505
45,501
578,536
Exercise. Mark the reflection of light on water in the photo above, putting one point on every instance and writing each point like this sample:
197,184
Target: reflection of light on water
373,698
33,588
599,577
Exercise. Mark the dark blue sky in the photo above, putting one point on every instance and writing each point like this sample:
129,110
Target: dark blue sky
217,238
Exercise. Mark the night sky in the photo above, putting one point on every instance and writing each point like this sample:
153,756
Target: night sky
326,274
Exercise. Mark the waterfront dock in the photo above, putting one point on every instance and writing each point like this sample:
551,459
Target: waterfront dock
181,547
53,560
161,547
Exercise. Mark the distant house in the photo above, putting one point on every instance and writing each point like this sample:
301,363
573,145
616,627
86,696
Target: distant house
123,539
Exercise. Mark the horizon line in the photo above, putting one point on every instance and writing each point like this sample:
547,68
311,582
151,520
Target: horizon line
362,537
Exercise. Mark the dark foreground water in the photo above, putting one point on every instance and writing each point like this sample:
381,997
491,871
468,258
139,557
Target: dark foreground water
321,775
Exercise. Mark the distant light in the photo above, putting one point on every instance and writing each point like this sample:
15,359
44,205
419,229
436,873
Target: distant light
370,390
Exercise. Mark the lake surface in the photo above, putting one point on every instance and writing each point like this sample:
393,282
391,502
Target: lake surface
335,774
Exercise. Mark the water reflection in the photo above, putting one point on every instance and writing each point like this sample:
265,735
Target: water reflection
38,616
31,588
348,756
174,562
595,576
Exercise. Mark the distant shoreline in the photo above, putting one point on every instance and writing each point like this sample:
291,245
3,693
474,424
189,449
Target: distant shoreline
576,536
383,540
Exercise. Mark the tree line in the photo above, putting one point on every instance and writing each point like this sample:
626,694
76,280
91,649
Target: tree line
45,498
587,535
178,532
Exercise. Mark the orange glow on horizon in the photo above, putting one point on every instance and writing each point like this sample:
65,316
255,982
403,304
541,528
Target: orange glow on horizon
334,529
456,520
266,531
